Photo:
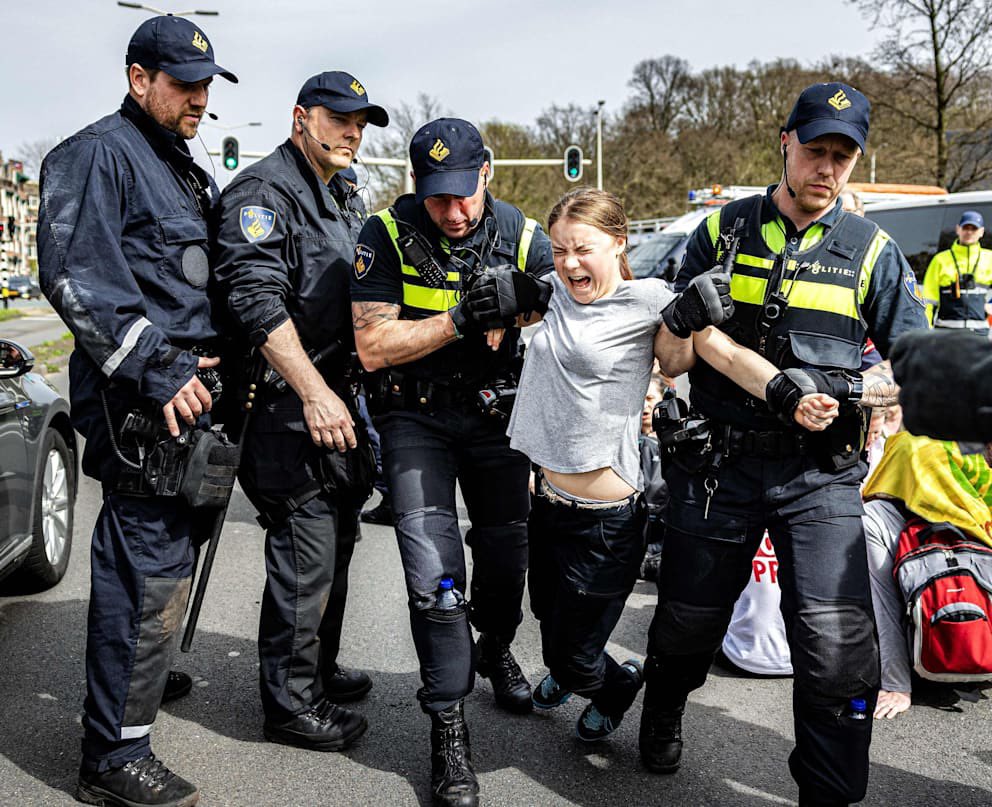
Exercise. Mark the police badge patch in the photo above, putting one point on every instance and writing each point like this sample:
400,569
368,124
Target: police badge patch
363,260
257,222
909,281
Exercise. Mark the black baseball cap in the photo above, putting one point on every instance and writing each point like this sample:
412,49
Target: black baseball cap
831,108
340,92
447,154
178,47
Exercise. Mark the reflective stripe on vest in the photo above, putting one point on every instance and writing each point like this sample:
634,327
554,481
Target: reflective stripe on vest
750,286
416,293
428,300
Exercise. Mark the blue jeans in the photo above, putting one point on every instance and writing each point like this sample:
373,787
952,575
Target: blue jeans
583,565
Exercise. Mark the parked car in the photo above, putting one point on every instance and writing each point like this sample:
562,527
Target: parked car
924,227
38,472
25,286
661,255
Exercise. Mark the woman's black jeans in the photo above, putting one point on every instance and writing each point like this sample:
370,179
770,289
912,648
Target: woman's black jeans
583,565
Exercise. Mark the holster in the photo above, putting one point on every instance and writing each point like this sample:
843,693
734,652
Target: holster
211,465
841,444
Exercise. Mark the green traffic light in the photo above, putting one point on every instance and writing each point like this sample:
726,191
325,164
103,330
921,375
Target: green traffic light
230,163
573,172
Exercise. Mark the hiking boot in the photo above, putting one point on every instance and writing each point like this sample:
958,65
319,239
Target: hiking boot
453,782
177,685
497,663
139,782
344,686
549,695
323,727
382,514
592,724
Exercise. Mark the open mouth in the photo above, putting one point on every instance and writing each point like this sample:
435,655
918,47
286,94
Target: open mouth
580,282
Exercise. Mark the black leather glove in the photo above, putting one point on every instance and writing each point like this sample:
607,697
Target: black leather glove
502,293
706,301
783,392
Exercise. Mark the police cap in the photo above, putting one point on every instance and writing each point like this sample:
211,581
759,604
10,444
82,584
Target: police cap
831,108
178,47
447,154
972,217
340,92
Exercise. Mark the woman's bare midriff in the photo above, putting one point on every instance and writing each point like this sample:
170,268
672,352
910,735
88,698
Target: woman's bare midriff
602,484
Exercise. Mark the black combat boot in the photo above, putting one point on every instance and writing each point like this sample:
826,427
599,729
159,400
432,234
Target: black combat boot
660,738
139,783
496,662
453,782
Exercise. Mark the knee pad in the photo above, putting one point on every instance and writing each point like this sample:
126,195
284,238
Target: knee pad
682,629
834,652
446,652
430,546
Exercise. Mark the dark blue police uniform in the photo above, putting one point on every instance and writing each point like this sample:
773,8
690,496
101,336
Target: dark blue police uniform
122,243
835,283
284,250
433,433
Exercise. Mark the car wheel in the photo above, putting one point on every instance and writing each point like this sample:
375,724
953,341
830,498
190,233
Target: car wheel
48,557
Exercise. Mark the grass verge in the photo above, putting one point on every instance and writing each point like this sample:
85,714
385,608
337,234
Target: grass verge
53,355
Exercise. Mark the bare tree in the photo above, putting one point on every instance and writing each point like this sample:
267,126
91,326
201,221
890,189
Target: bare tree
394,141
661,87
33,152
936,51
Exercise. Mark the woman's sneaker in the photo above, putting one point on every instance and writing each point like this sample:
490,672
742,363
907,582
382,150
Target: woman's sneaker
548,695
593,725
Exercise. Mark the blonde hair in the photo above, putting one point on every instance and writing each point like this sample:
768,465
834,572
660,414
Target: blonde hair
599,209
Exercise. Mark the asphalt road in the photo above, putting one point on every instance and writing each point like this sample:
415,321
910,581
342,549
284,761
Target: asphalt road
40,324
738,731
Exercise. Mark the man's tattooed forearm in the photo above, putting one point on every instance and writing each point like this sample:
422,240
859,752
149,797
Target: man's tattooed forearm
365,314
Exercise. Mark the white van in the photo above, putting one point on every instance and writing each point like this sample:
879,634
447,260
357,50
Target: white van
924,227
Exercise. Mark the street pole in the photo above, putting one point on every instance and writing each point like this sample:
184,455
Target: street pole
871,176
599,144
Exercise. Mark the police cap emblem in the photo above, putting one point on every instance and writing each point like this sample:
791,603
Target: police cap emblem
257,222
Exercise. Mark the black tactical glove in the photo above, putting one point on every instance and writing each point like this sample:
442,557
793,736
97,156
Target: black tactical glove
502,293
706,301
783,392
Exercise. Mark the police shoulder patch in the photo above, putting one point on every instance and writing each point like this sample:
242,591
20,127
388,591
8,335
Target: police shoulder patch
257,222
363,260
909,281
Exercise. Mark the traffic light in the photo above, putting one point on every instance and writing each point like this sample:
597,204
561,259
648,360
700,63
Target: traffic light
573,164
229,151
491,159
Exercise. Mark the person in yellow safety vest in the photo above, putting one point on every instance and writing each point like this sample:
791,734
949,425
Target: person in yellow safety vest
957,284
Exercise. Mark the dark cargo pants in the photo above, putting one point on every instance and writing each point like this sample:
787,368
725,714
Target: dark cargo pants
423,457
141,563
814,520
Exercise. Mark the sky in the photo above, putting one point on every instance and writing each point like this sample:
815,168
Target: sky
63,63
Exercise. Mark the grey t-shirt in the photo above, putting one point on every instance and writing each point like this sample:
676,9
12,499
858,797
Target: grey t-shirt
584,380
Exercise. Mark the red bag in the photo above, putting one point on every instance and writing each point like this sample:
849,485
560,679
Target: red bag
946,580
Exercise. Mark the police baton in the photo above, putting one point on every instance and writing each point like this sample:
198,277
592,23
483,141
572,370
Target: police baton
218,521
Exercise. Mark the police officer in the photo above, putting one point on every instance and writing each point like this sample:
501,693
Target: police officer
810,283
958,281
122,243
287,231
439,397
